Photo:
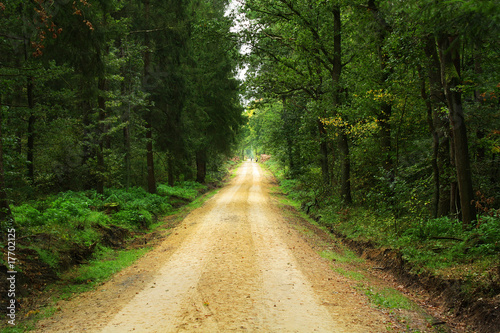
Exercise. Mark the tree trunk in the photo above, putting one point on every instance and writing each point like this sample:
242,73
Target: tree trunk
288,126
478,69
88,143
450,76
126,139
150,158
101,167
171,173
201,166
435,148
345,168
149,130
342,139
384,115
439,128
454,195
323,155
31,121
5,213
31,133
385,138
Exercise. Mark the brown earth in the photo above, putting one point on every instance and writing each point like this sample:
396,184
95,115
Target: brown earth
237,264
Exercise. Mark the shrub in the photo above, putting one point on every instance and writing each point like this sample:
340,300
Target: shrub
485,239
27,216
133,218
184,190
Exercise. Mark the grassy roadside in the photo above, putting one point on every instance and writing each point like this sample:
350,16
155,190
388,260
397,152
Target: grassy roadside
115,245
385,293
459,265
73,282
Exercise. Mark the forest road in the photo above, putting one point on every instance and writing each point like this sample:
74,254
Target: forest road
233,265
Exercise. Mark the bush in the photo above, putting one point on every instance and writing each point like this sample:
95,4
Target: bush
485,239
183,193
133,218
432,228
27,216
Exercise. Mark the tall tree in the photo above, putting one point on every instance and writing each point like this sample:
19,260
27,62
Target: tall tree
450,77
310,37
212,114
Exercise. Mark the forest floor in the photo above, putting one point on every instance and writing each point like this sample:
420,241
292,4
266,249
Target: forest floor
243,263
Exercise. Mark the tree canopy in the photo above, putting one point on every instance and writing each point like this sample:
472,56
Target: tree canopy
392,105
99,94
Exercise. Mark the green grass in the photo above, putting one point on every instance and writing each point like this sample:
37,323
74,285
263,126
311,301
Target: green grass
80,279
106,263
389,298
186,190
347,257
71,217
357,276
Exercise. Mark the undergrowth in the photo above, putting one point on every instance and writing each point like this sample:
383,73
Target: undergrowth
71,228
441,246
71,221
104,263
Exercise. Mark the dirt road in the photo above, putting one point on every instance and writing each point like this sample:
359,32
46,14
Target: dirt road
233,265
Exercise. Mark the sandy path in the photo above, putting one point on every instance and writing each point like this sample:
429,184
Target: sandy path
233,265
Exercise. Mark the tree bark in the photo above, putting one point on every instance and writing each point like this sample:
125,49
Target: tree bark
435,148
384,115
454,195
31,121
150,158
126,139
31,132
478,69
342,139
88,144
149,130
171,166
5,212
101,167
439,128
323,156
345,168
450,76
384,120
201,166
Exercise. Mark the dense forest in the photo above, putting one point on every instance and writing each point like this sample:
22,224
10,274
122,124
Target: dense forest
381,99
112,114
389,105
382,119
100,94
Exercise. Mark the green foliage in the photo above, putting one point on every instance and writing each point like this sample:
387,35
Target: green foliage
390,299
27,216
104,264
185,190
485,238
357,276
347,256
97,218
77,102
71,219
133,218
440,227
48,257
428,244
